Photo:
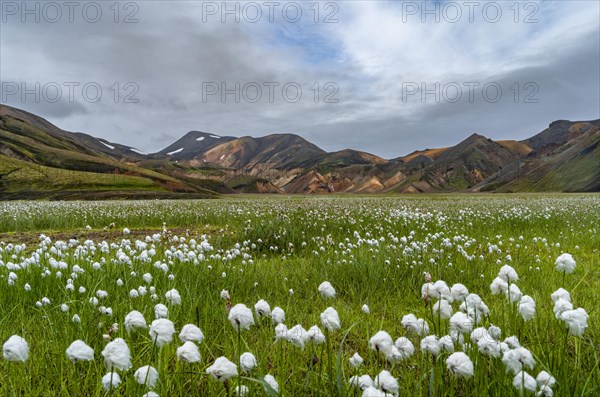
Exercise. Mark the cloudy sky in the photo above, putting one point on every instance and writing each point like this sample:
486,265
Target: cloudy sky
387,77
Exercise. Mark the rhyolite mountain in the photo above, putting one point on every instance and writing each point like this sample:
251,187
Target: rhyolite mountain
563,157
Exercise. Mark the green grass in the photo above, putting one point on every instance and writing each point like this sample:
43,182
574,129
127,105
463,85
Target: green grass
297,243
21,175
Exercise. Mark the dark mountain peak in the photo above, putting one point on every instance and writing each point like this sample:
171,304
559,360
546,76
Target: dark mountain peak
558,133
284,135
473,140
475,137
475,146
558,122
195,134
194,144
289,137
288,140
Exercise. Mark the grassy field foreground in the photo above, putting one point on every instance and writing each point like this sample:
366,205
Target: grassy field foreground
74,270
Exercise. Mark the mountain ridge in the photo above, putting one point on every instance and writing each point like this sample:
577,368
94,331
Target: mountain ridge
205,163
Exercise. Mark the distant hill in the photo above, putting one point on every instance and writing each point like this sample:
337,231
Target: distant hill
38,159
565,157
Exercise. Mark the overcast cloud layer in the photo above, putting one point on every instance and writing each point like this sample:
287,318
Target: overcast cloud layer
546,61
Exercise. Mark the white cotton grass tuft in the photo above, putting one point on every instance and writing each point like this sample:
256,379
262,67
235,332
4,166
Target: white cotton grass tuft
225,295
409,322
262,309
575,320
426,291
272,382
356,360
111,380
241,391
173,297
386,382
498,286
134,320
421,327
460,322
147,277
442,291
443,309
330,319
458,338
545,391
495,332
297,336
326,290
561,293
381,342
247,362
508,274
281,331
413,324
191,333
565,263
405,347
188,352
459,292
394,356
241,317
526,308
479,333
117,355
517,359
79,351
446,343
15,349
524,382
431,345
146,375
362,382
161,331
365,309
150,394
278,315
222,369
459,364
489,346
512,342
315,335
476,313
545,379
161,311
560,306
513,294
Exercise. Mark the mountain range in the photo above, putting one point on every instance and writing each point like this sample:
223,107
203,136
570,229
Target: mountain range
40,160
